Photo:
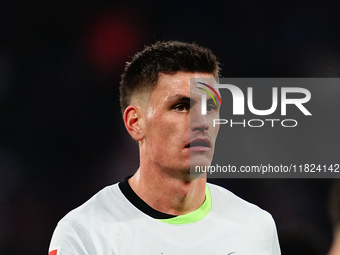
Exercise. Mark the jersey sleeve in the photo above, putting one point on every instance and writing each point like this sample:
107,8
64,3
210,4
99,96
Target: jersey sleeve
69,239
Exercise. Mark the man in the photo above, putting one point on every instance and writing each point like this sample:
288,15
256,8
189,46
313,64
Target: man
161,209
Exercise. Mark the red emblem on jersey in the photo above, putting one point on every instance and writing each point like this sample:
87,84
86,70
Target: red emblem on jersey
54,252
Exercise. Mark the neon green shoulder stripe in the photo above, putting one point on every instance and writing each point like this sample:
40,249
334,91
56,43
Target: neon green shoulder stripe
194,216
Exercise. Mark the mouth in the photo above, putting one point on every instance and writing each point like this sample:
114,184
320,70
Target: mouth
199,144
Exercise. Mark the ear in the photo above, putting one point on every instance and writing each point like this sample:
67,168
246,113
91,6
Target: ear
132,122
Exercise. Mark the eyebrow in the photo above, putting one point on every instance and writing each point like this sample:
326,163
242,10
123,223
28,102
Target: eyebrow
179,97
211,101
182,98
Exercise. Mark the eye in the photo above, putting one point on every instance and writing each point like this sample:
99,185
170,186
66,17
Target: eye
211,107
182,107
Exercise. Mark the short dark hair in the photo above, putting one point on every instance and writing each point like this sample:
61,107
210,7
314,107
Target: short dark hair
141,74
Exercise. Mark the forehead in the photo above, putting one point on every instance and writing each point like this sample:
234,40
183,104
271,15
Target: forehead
177,83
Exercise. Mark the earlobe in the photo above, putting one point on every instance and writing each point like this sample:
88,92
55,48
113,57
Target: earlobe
132,122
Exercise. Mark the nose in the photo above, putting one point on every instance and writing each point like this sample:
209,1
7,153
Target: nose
198,122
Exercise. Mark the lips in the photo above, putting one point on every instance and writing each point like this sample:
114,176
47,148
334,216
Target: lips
199,144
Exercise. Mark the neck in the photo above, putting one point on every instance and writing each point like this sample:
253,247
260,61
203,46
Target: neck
168,194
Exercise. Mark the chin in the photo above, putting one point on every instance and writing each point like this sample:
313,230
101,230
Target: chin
200,161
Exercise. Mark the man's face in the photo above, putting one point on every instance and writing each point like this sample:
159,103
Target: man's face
175,131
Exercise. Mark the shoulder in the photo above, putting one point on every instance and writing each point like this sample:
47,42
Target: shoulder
100,206
227,204
77,231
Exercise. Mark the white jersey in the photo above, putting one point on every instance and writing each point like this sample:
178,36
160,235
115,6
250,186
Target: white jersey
112,224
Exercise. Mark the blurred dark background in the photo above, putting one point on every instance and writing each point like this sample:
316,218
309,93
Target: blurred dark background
62,137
